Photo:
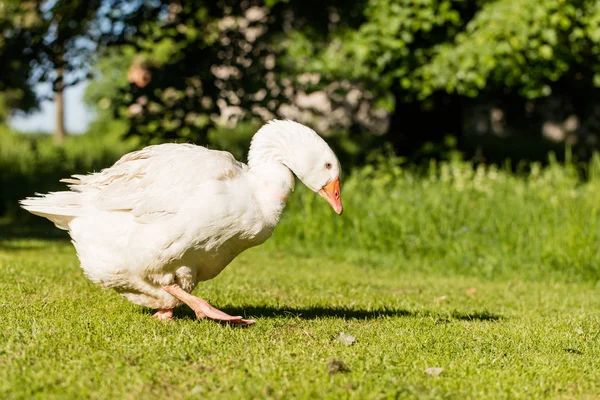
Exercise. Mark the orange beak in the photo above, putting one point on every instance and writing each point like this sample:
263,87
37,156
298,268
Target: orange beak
331,193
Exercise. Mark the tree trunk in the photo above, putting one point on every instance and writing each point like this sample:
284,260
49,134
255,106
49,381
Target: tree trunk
59,101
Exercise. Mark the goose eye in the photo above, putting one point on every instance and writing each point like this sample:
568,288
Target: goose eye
328,165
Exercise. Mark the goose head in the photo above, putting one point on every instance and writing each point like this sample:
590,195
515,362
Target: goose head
304,152
319,169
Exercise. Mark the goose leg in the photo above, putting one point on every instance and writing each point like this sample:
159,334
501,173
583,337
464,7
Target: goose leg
202,308
163,314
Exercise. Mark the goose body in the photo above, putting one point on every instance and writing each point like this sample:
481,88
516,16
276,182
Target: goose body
171,215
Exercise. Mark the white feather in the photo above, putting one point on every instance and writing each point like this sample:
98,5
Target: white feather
179,213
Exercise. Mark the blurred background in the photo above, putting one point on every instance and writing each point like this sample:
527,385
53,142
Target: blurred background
395,85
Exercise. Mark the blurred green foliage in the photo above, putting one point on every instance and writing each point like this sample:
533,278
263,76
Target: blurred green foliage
20,30
31,163
421,60
450,215
396,37
463,48
523,44
194,71
456,217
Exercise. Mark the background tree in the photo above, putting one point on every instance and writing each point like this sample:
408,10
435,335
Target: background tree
384,52
21,28
194,66
69,39
184,68
184,65
433,56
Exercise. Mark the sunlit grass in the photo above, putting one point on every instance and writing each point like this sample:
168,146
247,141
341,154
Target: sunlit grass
491,276
480,221
63,337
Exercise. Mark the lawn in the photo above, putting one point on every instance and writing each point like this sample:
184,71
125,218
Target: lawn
460,281
62,337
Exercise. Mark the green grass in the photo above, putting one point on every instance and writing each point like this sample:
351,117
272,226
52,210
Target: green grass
491,275
33,162
457,219
63,337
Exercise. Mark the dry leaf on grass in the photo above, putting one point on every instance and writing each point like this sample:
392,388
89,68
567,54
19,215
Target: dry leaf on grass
434,371
345,338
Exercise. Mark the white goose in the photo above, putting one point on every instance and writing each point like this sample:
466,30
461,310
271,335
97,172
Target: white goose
168,216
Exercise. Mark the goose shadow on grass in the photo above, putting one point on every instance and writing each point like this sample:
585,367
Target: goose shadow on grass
344,313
